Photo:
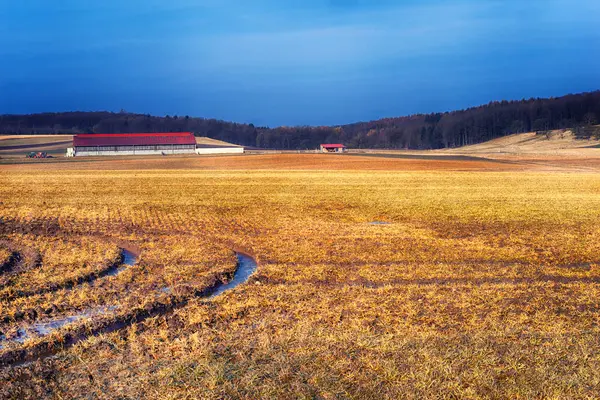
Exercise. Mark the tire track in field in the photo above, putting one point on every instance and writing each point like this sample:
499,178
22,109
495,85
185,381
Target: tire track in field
246,266
108,270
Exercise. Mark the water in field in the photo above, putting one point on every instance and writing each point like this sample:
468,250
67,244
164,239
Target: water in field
129,259
246,267
379,223
41,329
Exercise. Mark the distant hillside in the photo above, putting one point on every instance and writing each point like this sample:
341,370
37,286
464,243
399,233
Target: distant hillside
423,131
555,142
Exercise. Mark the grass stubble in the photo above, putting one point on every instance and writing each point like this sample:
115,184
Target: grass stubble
485,284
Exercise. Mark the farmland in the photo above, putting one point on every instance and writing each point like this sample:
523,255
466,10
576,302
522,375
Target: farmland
378,277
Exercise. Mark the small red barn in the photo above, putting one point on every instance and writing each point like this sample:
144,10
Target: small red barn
333,148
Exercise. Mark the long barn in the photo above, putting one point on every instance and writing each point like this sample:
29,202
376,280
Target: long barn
132,144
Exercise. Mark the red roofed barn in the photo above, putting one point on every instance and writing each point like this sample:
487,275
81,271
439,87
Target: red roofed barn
133,144
333,148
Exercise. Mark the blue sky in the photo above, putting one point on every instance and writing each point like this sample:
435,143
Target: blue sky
292,62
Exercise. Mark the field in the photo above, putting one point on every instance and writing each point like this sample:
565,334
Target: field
12,146
378,277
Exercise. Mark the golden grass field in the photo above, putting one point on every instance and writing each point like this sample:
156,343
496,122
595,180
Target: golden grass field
485,284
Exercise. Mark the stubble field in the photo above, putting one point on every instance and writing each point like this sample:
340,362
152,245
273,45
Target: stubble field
377,278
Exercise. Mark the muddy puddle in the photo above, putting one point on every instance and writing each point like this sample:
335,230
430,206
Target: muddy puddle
45,328
129,259
379,223
246,267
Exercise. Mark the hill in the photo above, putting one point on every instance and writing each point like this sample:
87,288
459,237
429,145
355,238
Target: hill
551,143
423,131
19,145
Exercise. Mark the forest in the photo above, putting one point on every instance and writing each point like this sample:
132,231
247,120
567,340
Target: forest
421,131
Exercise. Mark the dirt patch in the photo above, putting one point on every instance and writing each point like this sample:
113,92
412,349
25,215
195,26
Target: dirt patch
8,264
22,258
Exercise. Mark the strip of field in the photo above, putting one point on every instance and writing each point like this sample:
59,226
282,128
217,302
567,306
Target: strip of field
429,157
17,146
32,140
64,144
269,162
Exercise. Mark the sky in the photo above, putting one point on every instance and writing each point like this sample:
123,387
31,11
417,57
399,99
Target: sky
292,62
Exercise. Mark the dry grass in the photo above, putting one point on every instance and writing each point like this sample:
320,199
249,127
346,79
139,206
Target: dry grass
17,146
202,140
12,140
559,142
485,285
267,162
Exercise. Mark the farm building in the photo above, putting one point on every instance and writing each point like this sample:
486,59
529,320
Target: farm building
143,144
333,148
133,144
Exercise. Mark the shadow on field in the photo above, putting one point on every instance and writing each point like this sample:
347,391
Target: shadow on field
33,147
365,283
430,157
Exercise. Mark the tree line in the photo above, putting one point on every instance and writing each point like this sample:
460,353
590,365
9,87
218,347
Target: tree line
422,131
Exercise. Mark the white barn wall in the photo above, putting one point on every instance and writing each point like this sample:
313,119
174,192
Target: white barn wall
199,151
133,153
219,150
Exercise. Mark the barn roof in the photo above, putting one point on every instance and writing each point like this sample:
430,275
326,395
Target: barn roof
131,139
333,146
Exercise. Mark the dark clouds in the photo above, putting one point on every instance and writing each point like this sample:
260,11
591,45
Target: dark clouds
294,62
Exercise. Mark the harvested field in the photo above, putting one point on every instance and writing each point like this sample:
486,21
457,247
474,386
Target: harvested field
483,283
17,146
278,162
